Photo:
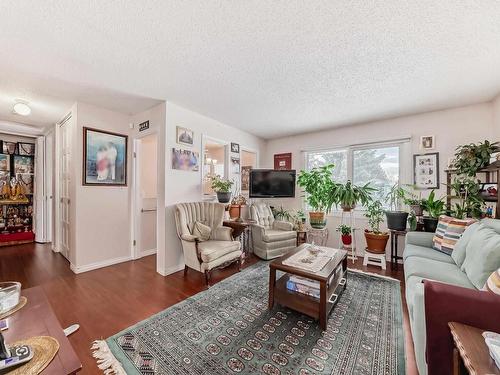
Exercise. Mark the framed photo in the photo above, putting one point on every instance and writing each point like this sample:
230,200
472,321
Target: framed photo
426,171
9,147
235,165
4,162
427,142
104,158
235,147
184,136
23,164
26,181
185,160
245,178
27,149
283,161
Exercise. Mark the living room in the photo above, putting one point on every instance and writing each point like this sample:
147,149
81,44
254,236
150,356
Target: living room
250,188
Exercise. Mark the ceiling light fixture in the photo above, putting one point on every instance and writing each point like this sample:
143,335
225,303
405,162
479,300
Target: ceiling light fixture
21,108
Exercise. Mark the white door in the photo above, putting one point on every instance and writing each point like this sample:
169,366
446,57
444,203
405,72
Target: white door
49,187
64,187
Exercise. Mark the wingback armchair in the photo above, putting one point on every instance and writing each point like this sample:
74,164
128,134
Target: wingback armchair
271,238
218,251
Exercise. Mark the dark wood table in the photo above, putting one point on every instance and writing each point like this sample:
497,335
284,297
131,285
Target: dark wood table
242,230
37,318
395,234
332,280
471,355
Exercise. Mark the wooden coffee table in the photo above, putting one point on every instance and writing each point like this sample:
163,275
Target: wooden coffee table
332,280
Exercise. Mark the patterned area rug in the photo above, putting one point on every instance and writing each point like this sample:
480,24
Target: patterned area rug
228,329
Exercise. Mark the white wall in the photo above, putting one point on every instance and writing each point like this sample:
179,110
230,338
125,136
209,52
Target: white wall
496,118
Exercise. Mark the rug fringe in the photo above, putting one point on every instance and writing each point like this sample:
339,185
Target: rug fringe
373,274
106,361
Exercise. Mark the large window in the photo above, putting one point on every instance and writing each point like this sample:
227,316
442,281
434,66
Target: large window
376,164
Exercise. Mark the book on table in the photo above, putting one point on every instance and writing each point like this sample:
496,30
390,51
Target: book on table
303,285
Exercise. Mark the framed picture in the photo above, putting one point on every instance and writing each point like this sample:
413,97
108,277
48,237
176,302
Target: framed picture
27,149
9,147
489,191
104,158
184,136
427,142
23,164
235,147
26,181
235,165
426,171
185,160
4,162
245,178
283,161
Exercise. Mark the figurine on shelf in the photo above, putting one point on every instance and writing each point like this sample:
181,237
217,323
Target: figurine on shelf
16,190
4,190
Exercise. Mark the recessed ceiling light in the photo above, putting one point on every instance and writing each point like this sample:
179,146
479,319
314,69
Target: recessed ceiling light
22,109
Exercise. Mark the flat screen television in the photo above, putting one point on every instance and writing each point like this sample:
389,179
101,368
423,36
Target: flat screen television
270,183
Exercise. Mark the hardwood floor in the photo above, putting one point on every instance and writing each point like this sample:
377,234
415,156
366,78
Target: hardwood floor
110,299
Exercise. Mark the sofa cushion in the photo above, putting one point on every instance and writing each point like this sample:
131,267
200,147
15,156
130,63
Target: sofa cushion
458,253
482,255
493,283
425,252
440,231
273,235
435,270
453,233
212,250
202,231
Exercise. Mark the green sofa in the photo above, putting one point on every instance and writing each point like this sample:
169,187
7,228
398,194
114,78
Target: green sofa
475,257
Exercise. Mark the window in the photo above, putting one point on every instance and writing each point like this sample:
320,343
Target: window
376,164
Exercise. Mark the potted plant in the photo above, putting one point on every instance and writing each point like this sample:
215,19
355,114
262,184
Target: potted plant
472,157
345,234
222,186
467,190
237,203
414,201
434,208
281,214
396,218
318,185
349,195
376,240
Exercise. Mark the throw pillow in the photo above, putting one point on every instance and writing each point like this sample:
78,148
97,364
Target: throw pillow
453,233
458,254
482,255
440,231
493,283
202,231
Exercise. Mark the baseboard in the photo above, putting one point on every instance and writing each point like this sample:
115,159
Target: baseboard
145,253
104,263
170,270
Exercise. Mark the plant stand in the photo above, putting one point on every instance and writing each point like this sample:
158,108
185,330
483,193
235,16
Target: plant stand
318,236
374,259
348,219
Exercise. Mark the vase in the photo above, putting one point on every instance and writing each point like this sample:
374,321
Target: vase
396,220
317,219
223,197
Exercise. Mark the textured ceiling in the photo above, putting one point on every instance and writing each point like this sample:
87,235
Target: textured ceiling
269,67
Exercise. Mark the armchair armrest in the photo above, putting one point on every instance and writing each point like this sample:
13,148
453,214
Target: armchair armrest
223,234
420,239
189,238
446,303
282,225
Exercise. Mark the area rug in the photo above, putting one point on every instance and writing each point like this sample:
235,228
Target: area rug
228,329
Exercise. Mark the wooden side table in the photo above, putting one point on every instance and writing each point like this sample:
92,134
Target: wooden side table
395,234
242,230
471,355
301,237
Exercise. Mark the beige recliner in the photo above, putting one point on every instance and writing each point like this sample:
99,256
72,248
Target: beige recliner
271,238
218,251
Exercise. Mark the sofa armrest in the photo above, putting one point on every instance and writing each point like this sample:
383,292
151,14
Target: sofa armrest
282,225
189,238
223,234
420,239
446,303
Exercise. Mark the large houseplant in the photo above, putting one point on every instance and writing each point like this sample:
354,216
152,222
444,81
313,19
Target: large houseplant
376,240
467,190
472,157
349,195
222,187
318,185
396,218
434,207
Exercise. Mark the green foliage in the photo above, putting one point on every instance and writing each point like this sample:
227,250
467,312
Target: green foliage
348,195
375,214
318,184
472,157
282,214
344,229
412,221
467,190
434,207
221,185
395,196
410,198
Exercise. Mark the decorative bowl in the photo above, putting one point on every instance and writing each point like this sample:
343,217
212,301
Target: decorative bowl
10,292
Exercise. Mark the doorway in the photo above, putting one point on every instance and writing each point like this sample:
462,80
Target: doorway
248,162
145,195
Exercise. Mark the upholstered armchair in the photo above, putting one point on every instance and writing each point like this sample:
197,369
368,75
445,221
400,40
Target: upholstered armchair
215,250
271,238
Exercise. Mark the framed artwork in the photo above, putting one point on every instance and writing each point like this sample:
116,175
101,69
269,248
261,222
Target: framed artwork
235,165
426,171
245,178
4,162
427,142
27,149
23,164
235,147
184,136
9,147
185,160
26,181
104,158
283,161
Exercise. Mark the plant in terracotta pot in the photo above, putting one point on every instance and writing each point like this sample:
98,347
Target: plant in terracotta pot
349,195
376,240
345,234
222,187
434,208
318,185
396,218
237,204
